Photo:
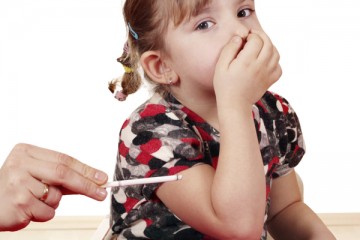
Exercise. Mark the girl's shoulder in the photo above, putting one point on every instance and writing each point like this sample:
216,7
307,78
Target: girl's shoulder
156,115
156,107
272,102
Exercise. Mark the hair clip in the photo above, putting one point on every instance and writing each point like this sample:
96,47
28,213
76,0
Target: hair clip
120,95
128,69
115,89
133,33
126,48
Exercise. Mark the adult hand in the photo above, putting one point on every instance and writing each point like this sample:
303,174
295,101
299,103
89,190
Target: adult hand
33,180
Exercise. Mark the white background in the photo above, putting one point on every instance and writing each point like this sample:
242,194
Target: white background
56,57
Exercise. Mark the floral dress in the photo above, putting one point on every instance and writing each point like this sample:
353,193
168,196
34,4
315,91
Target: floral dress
162,137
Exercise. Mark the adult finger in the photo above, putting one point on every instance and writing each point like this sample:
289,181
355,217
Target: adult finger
54,197
49,194
37,188
93,174
58,174
40,212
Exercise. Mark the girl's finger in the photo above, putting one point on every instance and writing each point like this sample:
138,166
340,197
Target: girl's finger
275,58
268,48
252,48
229,52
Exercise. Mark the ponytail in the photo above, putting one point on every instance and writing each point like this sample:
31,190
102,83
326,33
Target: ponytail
131,79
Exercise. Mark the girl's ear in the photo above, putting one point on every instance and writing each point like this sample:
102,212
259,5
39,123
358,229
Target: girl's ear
156,69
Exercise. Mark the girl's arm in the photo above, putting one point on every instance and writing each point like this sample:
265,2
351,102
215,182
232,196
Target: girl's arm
229,203
289,216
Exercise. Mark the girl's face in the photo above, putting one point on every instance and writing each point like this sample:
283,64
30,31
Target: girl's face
193,47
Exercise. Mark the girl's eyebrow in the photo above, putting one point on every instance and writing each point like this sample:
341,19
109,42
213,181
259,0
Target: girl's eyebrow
241,1
207,9
203,10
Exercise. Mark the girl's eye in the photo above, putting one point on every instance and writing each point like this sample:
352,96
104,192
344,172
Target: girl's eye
204,25
244,13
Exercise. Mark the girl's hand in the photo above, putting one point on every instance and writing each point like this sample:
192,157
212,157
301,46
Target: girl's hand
26,174
246,69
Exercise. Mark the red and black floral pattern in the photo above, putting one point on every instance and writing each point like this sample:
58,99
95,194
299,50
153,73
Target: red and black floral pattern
163,137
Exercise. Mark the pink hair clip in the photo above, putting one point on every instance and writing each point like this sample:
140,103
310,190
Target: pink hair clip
120,95
126,47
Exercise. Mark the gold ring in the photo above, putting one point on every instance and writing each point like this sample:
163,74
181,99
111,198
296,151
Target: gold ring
45,192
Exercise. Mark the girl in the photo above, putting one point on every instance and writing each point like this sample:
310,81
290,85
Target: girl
211,119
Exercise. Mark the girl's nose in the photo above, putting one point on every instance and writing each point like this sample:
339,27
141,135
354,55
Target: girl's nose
240,29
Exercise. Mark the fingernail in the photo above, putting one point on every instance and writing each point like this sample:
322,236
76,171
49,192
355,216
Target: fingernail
236,39
100,176
101,192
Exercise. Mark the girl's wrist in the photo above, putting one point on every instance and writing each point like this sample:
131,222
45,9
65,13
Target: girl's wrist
232,107
234,114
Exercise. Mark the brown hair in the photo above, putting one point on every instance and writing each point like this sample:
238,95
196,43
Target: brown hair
149,19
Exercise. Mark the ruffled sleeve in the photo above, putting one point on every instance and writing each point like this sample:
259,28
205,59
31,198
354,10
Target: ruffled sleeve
291,142
155,142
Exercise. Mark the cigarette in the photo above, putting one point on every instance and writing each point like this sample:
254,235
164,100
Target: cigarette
148,180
